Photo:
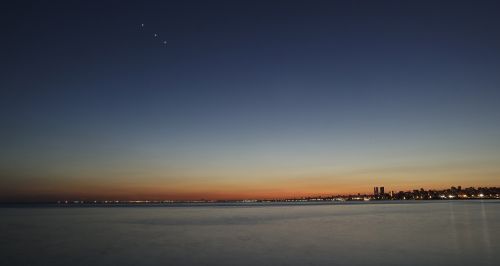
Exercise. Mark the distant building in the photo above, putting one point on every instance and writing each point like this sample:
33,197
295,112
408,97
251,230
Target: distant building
382,191
375,191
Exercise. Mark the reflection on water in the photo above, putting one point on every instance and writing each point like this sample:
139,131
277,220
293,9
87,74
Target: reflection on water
402,233
486,232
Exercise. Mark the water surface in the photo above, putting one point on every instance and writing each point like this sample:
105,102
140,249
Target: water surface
393,233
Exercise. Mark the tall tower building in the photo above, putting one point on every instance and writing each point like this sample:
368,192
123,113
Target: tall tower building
375,191
382,190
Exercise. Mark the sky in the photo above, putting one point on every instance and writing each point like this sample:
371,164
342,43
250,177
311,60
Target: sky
248,99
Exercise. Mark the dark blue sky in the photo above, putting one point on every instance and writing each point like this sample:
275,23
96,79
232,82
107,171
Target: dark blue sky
307,88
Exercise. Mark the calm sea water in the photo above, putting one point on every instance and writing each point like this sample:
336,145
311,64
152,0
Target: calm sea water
395,233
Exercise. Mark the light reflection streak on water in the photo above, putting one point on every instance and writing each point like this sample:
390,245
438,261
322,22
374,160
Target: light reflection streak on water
485,230
453,227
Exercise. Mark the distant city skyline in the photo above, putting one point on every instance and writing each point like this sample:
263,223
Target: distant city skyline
379,193
249,99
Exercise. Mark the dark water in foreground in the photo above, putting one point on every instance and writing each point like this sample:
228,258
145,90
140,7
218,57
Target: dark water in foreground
402,233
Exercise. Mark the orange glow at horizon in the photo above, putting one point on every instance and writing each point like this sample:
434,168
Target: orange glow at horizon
242,183
216,191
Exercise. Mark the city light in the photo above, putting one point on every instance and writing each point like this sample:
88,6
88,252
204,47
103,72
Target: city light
453,193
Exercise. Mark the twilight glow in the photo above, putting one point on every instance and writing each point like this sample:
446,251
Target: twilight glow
243,100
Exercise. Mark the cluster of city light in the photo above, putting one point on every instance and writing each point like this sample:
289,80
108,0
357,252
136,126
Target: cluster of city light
454,193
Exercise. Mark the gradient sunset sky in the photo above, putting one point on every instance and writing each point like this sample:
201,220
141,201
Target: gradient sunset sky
249,99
